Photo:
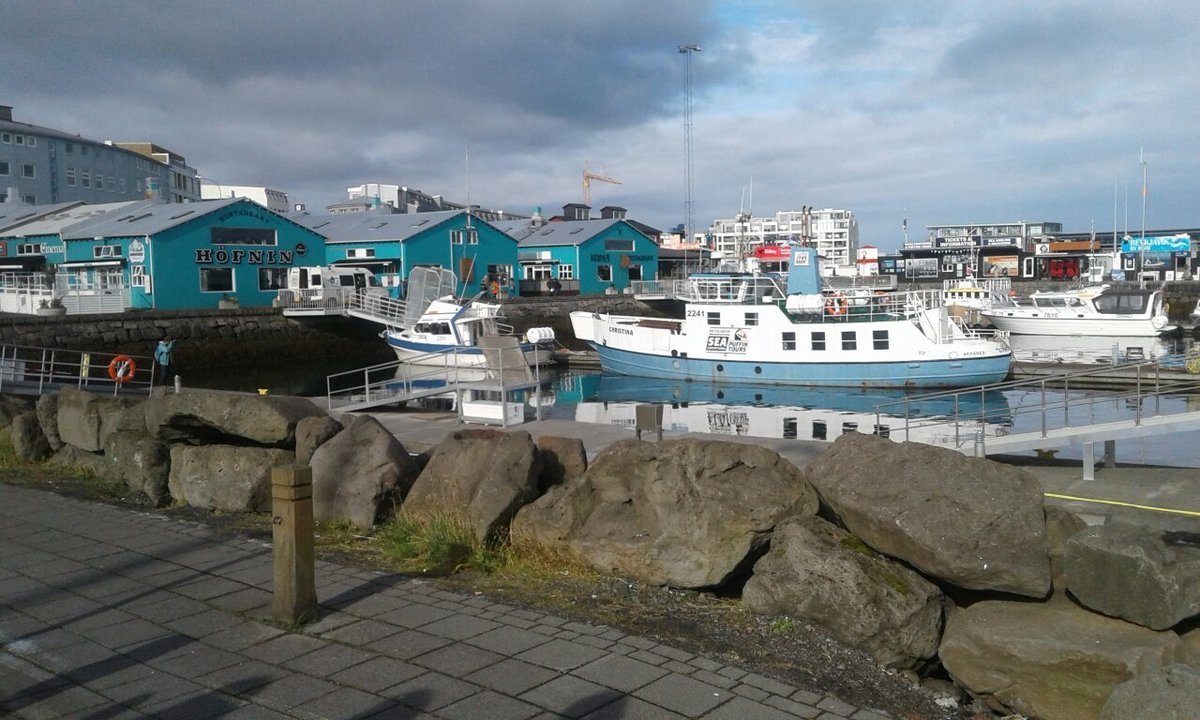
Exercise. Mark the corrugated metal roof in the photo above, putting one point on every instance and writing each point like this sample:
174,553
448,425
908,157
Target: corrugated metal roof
13,215
375,227
563,232
145,217
59,222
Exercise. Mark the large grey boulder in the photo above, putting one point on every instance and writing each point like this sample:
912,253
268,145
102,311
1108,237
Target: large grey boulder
311,433
12,406
821,573
1130,572
225,477
685,513
47,412
1061,524
1048,660
141,461
202,417
486,476
563,460
72,458
969,522
28,441
86,419
1172,693
360,473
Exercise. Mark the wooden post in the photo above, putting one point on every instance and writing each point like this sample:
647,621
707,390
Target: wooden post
295,598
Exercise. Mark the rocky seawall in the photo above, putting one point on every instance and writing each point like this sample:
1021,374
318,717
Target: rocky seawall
933,563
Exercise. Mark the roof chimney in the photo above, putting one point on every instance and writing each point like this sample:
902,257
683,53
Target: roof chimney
6,113
536,220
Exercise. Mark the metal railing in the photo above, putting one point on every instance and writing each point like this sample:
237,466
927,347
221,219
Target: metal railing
1048,401
35,370
378,307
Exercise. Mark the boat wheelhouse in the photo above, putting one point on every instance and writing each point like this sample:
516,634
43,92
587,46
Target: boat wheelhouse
749,328
1101,310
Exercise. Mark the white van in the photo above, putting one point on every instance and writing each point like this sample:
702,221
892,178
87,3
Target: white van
316,284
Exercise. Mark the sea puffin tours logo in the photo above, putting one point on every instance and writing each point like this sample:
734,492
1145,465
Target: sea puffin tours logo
727,340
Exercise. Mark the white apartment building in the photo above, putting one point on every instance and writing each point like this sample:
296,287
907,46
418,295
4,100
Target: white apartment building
833,232
276,200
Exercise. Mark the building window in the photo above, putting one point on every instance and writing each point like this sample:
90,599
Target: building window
537,272
880,338
112,183
789,341
849,340
18,139
83,149
714,318
27,170
6,138
71,176
122,183
31,141
635,272
618,245
106,251
272,278
30,199
751,319
604,273
99,181
566,272
3,168
137,276
70,147
360,253
213,280
242,236
29,249
818,341
85,178
471,235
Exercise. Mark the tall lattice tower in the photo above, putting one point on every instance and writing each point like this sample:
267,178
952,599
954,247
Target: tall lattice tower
689,210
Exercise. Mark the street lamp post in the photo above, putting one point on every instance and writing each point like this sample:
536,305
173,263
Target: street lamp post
689,219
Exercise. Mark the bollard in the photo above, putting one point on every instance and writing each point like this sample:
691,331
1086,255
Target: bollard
295,598
178,384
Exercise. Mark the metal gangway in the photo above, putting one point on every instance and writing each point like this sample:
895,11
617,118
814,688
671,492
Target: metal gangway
317,302
499,370
28,370
1047,416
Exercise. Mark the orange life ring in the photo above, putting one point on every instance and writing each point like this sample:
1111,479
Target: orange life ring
121,369
836,304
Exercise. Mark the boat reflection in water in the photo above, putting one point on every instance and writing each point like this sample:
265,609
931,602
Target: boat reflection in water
1077,349
771,411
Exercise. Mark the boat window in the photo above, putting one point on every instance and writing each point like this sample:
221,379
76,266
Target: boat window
819,430
849,340
421,328
880,338
789,341
441,328
818,341
714,318
1115,303
751,319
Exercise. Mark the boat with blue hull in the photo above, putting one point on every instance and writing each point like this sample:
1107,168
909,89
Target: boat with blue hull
747,328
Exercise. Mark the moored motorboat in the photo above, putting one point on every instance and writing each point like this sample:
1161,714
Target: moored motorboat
747,328
1102,310
449,330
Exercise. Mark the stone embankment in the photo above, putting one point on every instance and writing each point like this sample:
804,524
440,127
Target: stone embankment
931,562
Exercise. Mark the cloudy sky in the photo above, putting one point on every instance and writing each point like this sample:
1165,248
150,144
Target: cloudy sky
967,111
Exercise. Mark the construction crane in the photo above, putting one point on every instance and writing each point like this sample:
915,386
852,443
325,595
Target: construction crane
588,177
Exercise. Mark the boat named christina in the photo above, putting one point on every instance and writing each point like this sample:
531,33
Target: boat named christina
739,327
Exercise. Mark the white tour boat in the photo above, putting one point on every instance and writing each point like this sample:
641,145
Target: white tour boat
1092,311
746,328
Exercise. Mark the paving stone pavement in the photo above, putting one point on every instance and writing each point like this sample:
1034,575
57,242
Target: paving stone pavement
108,614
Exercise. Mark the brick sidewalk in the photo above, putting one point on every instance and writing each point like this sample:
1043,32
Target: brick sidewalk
107,613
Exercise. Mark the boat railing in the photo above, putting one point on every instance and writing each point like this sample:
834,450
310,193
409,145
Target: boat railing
381,308
397,379
718,289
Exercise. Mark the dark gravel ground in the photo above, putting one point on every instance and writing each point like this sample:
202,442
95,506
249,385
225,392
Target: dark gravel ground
792,651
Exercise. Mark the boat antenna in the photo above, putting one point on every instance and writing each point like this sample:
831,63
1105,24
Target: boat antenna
1142,244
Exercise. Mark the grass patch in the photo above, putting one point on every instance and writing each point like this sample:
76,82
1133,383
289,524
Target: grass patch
783,625
439,543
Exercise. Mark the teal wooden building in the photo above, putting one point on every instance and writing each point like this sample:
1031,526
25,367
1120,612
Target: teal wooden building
173,255
392,244
587,257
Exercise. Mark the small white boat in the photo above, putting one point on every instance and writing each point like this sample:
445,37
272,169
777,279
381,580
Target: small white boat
448,333
1092,311
1196,312
740,327
441,329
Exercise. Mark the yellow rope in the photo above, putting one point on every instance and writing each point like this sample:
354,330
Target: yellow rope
1193,513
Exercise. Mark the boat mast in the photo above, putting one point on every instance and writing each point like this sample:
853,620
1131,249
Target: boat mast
1142,244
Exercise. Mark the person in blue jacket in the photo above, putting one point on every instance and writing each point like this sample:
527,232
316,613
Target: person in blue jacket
162,356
